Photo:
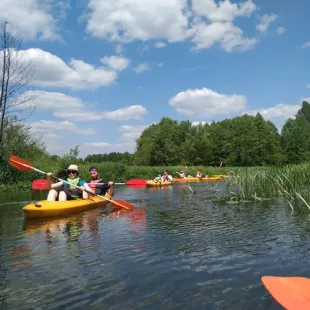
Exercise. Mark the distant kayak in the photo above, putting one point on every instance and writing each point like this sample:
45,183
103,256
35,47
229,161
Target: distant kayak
151,183
211,179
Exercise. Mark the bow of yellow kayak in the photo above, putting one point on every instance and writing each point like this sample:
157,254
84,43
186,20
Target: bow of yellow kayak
46,208
151,183
210,179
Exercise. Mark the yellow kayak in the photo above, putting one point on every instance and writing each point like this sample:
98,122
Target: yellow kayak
46,208
211,179
151,183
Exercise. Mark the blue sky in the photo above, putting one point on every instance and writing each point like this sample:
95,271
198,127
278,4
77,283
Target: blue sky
105,70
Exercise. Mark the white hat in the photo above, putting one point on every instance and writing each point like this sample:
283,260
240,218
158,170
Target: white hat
73,167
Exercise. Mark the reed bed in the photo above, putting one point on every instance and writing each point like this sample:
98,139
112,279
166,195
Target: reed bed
261,183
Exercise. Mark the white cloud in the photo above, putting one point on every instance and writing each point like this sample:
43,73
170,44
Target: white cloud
305,45
130,132
280,111
69,107
223,11
117,63
81,116
203,22
142,67
111,147
34,18
126,21
160,44
135,112
196,123
48,101
229,36
265,21
52,71
280,30
206,102
308,86
64,127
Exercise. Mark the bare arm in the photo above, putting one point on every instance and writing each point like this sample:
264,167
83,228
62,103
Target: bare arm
111,189
48,182
87,188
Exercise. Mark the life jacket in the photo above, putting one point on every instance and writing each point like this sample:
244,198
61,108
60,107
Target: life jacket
100,189
166,177
72,190
76,181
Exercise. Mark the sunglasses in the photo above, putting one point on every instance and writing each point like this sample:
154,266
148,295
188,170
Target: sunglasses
71,171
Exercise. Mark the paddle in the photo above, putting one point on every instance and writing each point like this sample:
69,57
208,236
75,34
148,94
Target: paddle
41,184
136,182
24,165
290,292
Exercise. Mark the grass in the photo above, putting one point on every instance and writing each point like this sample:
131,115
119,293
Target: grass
260,183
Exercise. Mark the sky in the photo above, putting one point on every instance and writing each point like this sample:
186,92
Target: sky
106,70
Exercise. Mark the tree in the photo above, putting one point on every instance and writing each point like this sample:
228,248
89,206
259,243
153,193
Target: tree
15,73
296,139
19,141
305,111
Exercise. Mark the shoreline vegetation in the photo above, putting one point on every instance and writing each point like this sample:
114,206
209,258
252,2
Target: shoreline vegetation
250,184
267,164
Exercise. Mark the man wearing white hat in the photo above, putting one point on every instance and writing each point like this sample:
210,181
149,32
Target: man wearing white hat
67,191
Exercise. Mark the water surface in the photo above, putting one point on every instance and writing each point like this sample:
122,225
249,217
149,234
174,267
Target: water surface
177,250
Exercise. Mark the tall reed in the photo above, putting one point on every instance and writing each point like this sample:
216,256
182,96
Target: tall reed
260,183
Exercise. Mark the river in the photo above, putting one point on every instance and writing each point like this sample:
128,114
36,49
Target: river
177,250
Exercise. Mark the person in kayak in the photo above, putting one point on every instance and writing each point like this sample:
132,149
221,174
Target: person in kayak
158,178
199,174
166,177
103,187
182,174
62,191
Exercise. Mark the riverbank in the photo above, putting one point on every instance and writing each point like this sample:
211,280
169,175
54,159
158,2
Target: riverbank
250,183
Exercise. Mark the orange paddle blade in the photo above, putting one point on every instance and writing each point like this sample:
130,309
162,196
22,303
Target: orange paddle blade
20,163
290,292
180,180
122,204
40,184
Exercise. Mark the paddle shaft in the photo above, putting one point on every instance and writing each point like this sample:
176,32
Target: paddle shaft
40,171
106,183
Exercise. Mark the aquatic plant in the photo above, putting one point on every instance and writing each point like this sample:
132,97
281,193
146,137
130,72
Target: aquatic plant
261,183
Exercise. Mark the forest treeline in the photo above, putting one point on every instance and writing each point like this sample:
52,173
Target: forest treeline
241,141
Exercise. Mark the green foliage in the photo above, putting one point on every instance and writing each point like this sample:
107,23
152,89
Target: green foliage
124,158
260,183
242,141
18,140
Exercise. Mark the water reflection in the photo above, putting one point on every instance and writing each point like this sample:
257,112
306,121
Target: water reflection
175,250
